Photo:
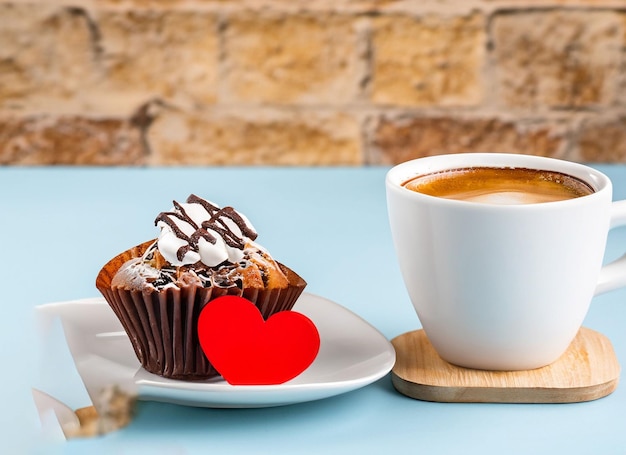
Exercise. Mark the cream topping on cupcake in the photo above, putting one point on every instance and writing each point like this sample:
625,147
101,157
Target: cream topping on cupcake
200,231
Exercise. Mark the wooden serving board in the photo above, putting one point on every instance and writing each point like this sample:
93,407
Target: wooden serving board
588,370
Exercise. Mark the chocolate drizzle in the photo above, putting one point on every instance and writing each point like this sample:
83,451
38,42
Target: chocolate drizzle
221,221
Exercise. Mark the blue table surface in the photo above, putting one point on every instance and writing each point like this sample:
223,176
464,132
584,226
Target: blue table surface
60,225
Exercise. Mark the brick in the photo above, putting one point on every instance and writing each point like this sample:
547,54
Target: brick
45,140
603,140
557,58
398,140
46,55
259,138
304,59
171,55
622,72
432,60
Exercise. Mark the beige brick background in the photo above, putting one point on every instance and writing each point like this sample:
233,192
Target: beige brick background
309,82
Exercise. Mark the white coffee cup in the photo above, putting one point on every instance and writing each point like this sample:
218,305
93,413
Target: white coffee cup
503,287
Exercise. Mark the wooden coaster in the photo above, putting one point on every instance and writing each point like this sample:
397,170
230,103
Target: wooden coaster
587,371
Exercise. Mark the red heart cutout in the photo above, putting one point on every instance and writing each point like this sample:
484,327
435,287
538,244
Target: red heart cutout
247,350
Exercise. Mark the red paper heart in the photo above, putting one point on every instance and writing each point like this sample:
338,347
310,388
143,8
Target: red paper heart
247,350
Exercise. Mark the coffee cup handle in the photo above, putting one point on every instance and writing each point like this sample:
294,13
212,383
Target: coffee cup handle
613,275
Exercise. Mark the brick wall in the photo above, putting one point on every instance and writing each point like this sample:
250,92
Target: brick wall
309,82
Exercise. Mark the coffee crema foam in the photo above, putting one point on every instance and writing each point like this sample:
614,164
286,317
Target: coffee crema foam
503,186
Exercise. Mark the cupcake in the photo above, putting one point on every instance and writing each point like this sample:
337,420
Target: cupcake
157,289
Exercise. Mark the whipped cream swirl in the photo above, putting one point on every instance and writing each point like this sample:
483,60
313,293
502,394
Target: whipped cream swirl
200,231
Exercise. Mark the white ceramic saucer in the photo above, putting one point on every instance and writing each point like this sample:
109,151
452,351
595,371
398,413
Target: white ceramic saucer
352,354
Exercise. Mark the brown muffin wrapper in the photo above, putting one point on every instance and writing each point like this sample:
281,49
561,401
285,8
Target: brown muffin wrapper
162,325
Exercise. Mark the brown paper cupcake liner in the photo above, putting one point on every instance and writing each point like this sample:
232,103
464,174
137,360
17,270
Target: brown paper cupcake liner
162,325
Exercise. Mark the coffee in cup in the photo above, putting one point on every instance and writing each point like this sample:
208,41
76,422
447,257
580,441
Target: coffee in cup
500,185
